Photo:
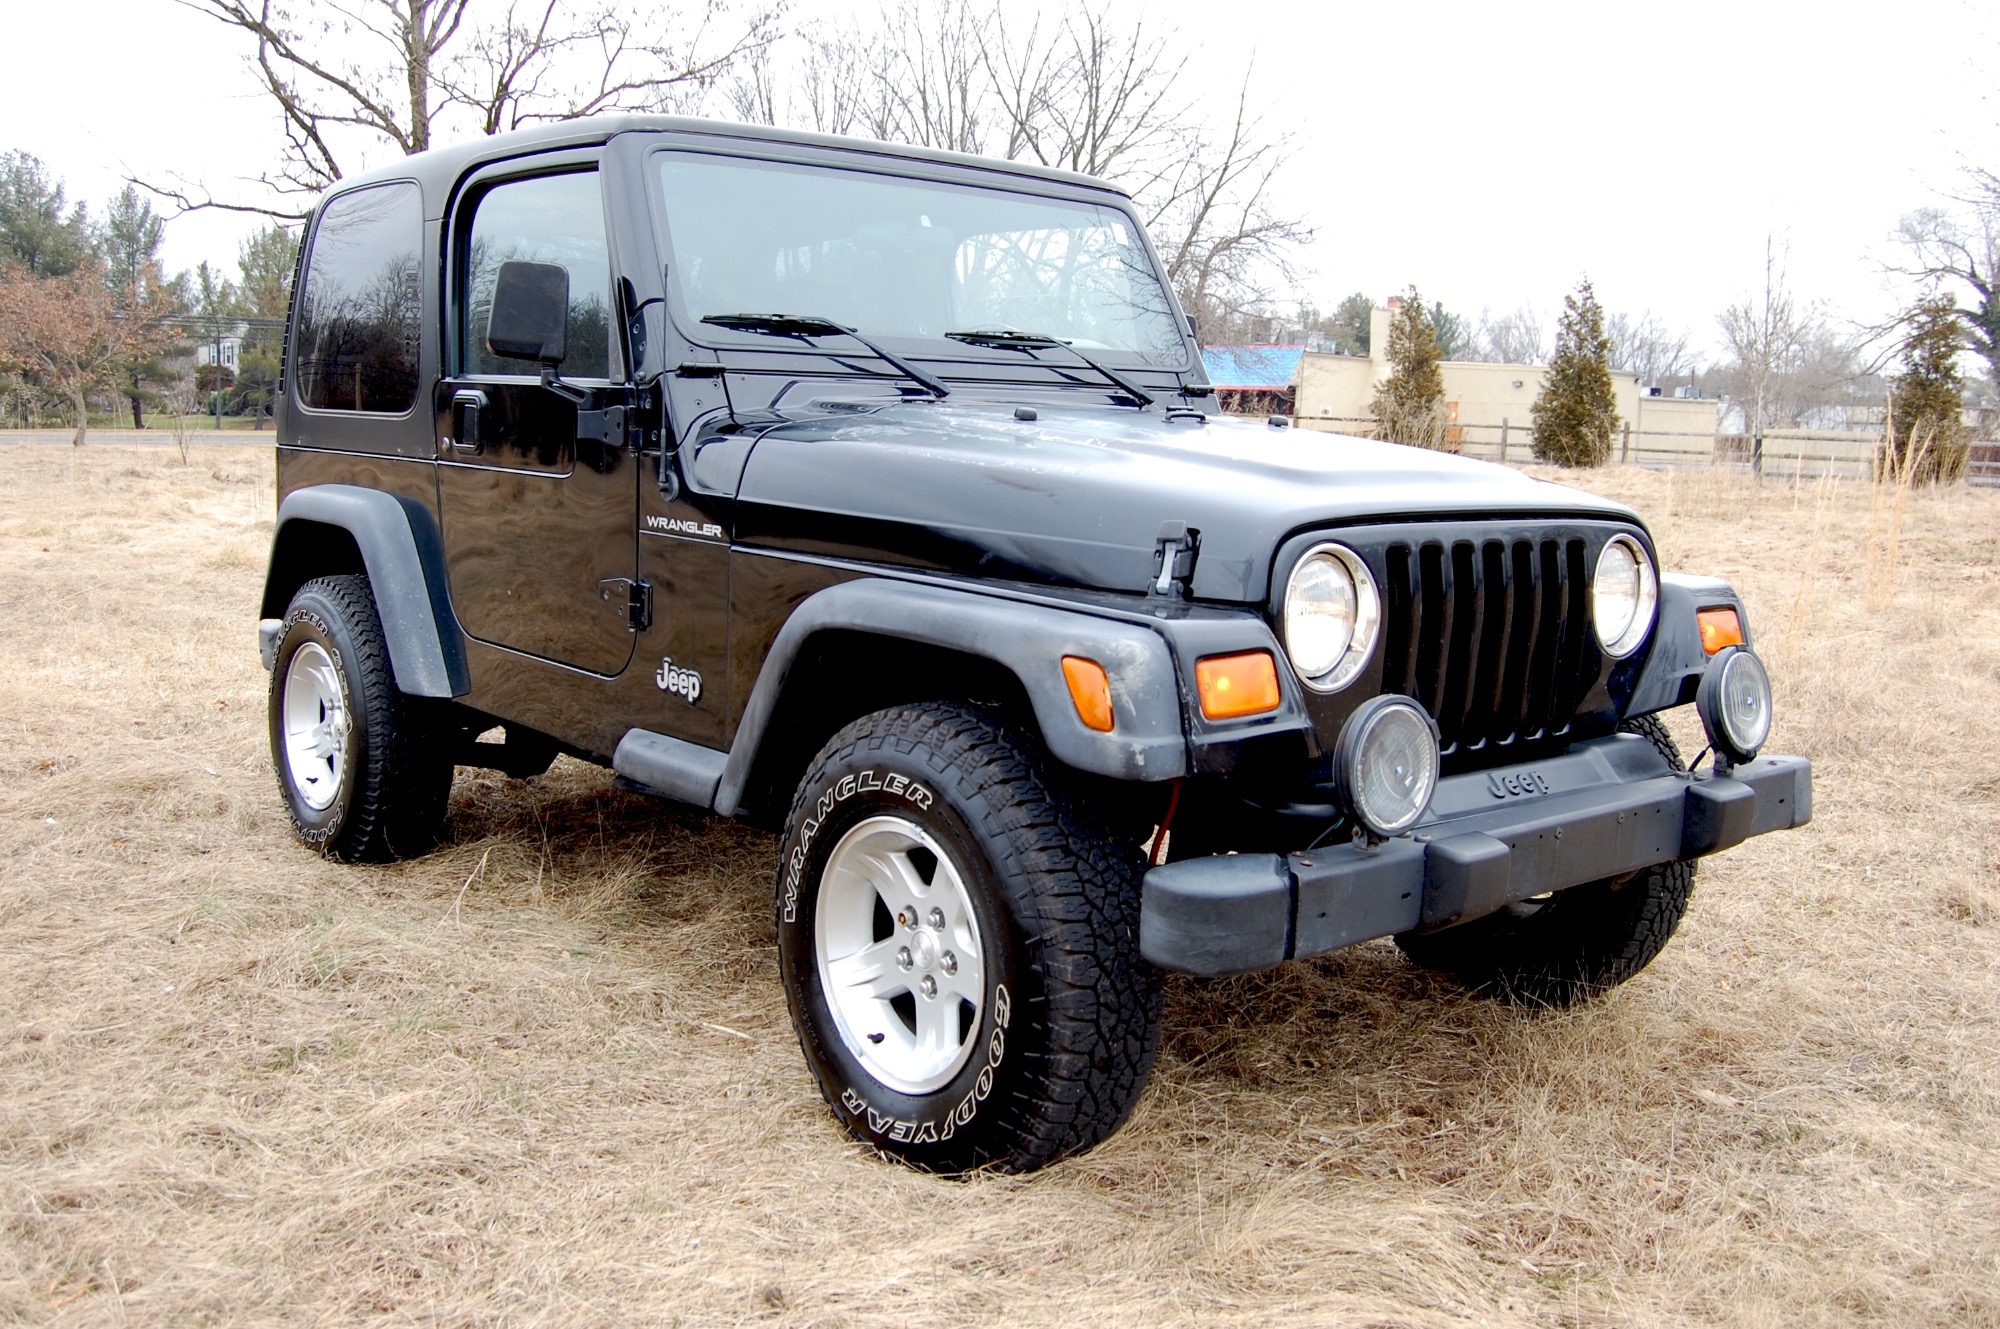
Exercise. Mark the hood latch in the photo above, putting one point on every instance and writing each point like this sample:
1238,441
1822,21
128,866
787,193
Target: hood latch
1174,553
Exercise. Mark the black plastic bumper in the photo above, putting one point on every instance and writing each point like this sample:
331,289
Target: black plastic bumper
1605,808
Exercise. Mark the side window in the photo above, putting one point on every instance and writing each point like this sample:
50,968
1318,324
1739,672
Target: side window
548,219
361,313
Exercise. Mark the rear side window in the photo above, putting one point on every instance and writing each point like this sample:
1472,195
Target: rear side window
547,219
361,313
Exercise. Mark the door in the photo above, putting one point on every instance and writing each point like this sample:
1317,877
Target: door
537,486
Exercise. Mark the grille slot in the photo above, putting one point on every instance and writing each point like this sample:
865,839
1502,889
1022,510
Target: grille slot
1492,636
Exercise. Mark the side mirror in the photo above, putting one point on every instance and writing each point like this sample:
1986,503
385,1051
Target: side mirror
530,315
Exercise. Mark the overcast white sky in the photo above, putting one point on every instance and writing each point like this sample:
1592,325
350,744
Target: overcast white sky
1489,153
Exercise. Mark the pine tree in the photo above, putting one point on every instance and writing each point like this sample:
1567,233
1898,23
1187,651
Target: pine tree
266,262
1349,324
1927,401
1409,404
129,242
1575,411
38,229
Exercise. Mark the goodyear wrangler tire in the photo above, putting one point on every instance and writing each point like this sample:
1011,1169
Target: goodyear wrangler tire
1572,945
959,944
362,776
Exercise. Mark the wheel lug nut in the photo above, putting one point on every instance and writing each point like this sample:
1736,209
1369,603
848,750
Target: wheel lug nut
903,960
929,986
906,917
936,920
948,962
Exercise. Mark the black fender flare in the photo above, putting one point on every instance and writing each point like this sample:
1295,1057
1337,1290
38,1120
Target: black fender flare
1675,661
1147,742
404,558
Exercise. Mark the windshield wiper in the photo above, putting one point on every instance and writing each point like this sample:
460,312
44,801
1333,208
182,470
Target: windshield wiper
806,326
1011,340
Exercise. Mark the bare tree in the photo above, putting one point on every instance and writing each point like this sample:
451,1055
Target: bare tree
1961,248
1643,345
929,78
72,334
1090,96
1082,92
346,75
1766,336
1216,221
1519,338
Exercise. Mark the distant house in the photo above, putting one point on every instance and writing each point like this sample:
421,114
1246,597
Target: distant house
228,348
1488,406
1253,380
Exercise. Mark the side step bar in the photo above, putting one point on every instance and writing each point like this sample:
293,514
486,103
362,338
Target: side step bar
670,767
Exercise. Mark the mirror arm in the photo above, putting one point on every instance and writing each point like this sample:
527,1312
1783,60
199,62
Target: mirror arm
573,395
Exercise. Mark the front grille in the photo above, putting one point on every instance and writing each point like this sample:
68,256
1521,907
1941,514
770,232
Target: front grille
1492,635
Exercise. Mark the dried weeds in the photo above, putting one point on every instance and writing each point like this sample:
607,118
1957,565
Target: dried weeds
545,1074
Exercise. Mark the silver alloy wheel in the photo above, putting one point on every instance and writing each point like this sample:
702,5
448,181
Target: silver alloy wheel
316,727
900,959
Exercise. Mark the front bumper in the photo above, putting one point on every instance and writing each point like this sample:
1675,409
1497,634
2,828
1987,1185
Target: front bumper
1603,809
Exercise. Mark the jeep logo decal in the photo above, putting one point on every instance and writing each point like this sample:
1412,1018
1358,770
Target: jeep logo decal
683,683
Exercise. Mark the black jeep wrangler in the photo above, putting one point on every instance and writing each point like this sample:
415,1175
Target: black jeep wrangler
877,495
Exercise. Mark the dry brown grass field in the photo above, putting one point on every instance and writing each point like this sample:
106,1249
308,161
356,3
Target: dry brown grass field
545,1076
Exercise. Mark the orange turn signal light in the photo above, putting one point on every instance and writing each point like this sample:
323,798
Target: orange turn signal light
1233,685
1719,628
1090,689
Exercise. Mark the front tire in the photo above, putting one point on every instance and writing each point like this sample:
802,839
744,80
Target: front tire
362,775
1572,945
959,945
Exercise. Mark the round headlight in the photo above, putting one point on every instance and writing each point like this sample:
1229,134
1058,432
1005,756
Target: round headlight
1386,765
1623,595
1331,616
1734,702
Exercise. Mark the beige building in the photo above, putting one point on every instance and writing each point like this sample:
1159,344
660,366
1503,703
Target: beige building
1487,405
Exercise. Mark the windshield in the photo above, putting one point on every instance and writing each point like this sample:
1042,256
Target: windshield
903,259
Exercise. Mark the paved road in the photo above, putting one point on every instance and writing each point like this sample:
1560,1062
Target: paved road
153,437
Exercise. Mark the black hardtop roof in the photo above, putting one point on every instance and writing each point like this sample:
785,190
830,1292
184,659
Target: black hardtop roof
439,168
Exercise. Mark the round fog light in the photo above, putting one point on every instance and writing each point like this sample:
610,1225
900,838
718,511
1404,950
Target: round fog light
1386,765
1734,701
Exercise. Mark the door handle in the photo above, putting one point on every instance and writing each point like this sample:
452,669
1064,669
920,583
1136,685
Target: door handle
466,406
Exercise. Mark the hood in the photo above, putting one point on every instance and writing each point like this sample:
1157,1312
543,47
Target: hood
1076,497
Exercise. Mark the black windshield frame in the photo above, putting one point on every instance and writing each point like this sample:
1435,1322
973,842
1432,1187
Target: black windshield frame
938,351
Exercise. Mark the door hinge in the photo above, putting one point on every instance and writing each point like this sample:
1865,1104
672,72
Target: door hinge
605,426
1175,550
633,599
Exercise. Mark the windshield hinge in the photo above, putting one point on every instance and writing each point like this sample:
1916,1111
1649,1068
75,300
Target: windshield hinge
1174,554
634,599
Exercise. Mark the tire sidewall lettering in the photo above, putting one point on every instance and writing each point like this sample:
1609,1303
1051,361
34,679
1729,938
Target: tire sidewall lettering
905,1131
871,781
876,1112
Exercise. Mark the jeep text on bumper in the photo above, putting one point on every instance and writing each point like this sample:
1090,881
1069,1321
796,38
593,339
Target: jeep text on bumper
1603,810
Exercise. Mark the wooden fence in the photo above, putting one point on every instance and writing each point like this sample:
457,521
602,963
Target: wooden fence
1787,453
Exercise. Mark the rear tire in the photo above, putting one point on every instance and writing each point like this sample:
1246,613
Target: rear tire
1575,944
959,943
362,775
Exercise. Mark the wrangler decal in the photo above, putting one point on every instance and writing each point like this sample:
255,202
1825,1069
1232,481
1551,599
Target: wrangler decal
705,530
